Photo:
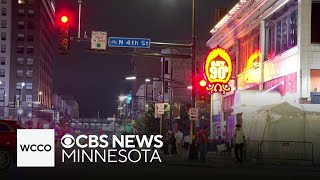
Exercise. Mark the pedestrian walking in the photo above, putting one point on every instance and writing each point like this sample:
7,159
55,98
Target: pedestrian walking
239,143
179,139
203,143
186,143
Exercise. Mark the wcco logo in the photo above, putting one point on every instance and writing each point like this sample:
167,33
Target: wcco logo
35,148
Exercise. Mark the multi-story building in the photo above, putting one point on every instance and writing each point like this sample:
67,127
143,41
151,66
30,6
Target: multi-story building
5,55
275,48
31,47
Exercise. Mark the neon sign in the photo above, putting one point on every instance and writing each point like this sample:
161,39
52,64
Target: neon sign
252,58
218,70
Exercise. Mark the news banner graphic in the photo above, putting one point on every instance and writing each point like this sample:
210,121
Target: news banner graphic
218,71
114,149
36,148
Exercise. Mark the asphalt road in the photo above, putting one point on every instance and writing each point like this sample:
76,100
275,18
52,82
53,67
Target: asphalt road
171,168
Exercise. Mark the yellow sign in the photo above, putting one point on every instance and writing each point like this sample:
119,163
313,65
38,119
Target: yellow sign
218,71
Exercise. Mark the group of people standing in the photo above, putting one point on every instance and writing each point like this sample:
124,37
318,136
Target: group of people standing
180,144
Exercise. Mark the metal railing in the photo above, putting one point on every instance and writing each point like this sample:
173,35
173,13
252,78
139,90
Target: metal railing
252,149
286,150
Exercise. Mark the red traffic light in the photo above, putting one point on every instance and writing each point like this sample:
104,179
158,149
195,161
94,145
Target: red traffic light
64,19
203,83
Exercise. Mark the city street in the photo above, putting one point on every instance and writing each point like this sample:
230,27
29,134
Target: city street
169,168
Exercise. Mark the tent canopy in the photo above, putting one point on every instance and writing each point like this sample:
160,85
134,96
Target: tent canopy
250,100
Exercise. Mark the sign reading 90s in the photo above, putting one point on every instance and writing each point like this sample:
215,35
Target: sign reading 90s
218,71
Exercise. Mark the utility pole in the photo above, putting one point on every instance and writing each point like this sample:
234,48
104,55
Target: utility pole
193,66
162,90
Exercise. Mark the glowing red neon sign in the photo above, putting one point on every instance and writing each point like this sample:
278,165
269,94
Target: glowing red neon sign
218,70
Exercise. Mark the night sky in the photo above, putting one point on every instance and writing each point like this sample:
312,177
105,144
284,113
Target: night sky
96,80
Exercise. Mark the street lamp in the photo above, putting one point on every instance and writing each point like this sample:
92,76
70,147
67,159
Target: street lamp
37,102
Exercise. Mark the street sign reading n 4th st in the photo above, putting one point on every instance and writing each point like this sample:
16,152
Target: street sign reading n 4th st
99,40
129,42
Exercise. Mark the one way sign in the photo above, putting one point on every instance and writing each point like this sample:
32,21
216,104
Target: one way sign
194,114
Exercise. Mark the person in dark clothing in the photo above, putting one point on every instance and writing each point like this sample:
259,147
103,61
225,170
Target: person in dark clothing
239,142
203,143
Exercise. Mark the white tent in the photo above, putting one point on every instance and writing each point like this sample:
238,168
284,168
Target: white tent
283,122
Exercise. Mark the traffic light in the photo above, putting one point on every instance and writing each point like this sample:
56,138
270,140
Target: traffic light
202,90
64,35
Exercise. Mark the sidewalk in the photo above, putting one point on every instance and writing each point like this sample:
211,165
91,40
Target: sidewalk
216,161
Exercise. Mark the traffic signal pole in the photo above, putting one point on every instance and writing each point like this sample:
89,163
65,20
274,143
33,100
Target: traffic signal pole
79,22
193,98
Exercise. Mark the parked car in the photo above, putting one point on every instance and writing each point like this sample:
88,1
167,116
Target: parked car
8,142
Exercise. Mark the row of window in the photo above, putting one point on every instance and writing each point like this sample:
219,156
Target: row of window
30,25
25,1
30,12
28,73
28,97
27,85
21,37
21,24
29,62
21,49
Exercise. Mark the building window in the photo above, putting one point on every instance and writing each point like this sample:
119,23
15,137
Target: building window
315,14
3,36
30,25
20,61
4,1
21,2
3,23
4,11
20,49
29,73
2,85
28,85
31,12
21,12
20,37
29,61
3,48
282,33
2,97
19,73
30,49
2,72
3,61
29,98
19,85
21,24
30,38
